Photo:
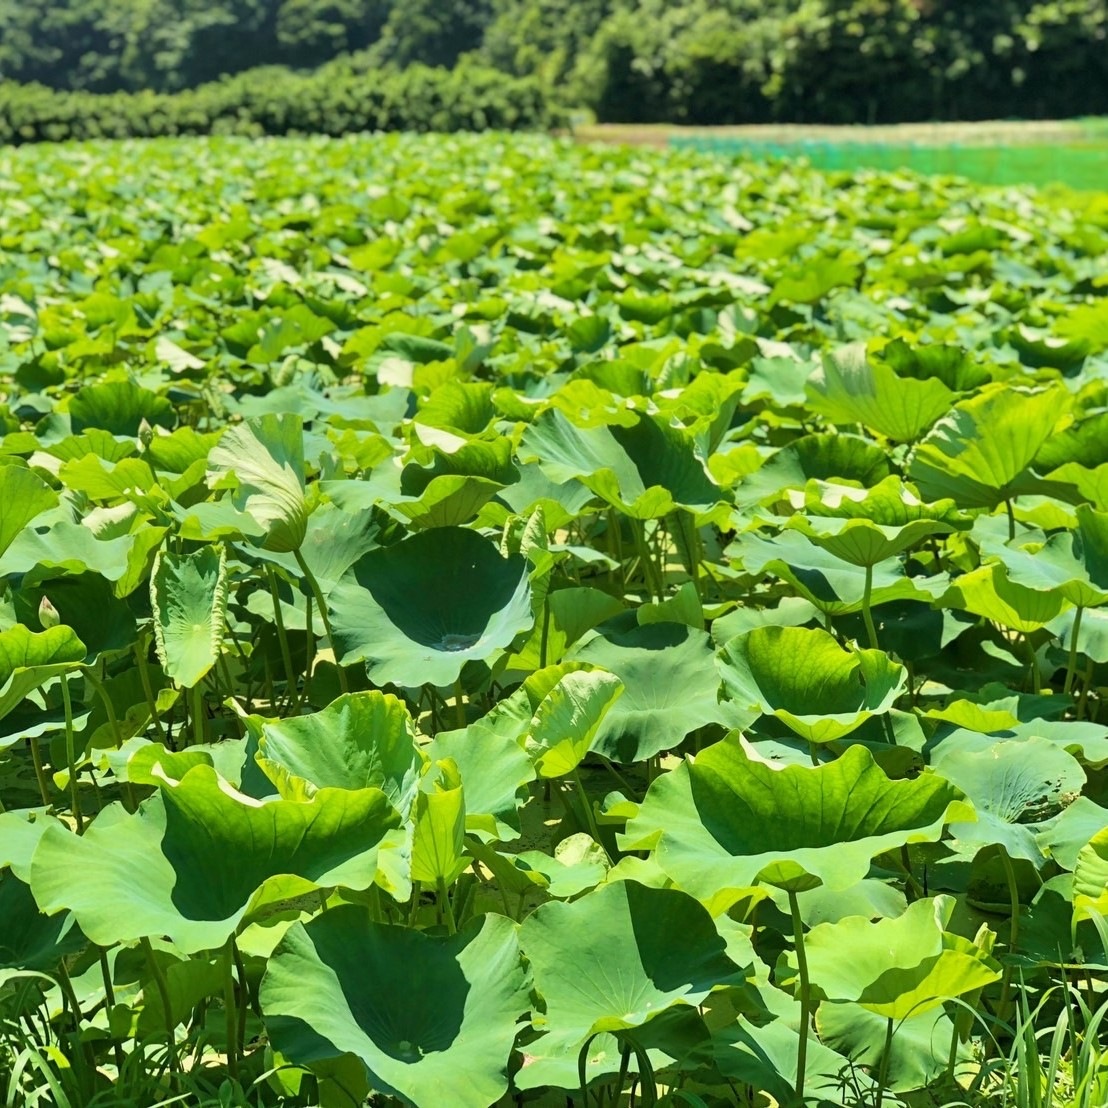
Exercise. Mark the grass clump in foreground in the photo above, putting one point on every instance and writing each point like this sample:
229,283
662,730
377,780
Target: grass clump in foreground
505,621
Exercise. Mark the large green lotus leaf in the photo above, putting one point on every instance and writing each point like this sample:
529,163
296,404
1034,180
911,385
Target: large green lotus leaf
1090,878
834,586
198,857
1064,836
417,611
802,676
1075,563
619,956
20,832
28,659
862,543
850,388
495,770
980,453
23,495
360,740
565,724
262,460
188,597
889,503
724,821
30,940
428,1017
646,470
988,591
66,546
118,407
919,1051
897,967
671,688
1014,787
826,457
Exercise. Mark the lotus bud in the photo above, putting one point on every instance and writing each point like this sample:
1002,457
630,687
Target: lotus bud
145,433
48,614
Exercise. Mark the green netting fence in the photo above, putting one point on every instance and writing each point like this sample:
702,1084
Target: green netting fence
1081,164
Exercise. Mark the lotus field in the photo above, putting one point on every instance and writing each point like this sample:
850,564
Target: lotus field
488,621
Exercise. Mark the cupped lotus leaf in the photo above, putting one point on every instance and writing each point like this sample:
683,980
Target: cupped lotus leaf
824,457
565,724
889,503
361,740
422,1014
118,407
28,659
386,614
188,596
262,460
495,770
1014,787
1073,563
621,955
862,543
724,822
988,591
804,678
23,495
897,967
670,688
979,455
646,470
198,857
67,546
834,586
851,388
1090,878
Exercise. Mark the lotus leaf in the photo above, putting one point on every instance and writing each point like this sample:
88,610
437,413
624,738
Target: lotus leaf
422,1014
384,614
724,821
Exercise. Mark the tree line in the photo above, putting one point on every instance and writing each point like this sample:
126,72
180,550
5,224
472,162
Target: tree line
693,61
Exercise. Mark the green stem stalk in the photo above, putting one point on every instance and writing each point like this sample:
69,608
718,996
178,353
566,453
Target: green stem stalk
71,756
162,985
321,604
1071,664
883,1072
283,639
867,613
231,1010
805,995
40,773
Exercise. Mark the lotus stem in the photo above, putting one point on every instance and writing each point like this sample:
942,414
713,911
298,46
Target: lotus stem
544,642
321,604
867,614
805,995
1033,664
1086,687
197,710
147,687
590,817
109,998
40,773
1011,519
162,985
446,909
230,1009
309,649
71,756
283,639
883,1071
1071,664
1013,930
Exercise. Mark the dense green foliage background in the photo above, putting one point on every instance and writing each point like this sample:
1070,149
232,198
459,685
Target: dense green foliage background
698,61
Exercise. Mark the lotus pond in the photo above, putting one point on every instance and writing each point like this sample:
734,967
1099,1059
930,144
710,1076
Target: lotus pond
487,621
